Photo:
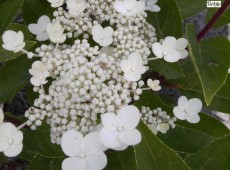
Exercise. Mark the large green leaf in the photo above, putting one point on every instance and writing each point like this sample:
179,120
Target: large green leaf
151,153
123,160
14,76
190,7
211,59
8,10
168,70
31,13
41,163
168,21
191,87
214,156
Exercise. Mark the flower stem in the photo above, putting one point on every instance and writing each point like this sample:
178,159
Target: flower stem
153,58
26,52
22,125
148,88
213,20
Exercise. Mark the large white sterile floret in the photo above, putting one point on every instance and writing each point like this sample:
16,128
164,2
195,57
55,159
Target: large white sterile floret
56,33
103,36
76,7
56,3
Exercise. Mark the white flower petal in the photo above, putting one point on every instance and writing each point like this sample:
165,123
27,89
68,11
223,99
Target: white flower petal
129,4
157,50
135,59
97,30
110,121
132,76
119,7
106,42
70,142
17,137
139,7
169,45
126,66
43,21
9,37
108,32
179,113
153,8
183,54
140,69
130,137
7,130
97,161
74,164
163,127
42,37
183,102
91,143
172,57
1,116
194,105
121,148
110,138
35,29
182,43
192,118
129,116
4,144
13,151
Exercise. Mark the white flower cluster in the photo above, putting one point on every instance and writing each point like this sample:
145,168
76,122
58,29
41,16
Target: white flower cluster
80,85
157,120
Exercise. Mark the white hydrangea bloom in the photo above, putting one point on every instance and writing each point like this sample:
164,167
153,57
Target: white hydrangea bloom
56,3
39,73
13,41
84,152
1,116
150,5
133,67
119,130
154,84
129,7
76,7
39,29
56,33
188,109
171,49
103,36
10,140
163,127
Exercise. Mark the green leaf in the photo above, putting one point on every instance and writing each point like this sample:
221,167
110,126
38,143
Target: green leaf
224,18
41,163
151,153
168,21
31,95
14,76
189,8
8,10
211,59
122,160
190,86
31,13
168,70
214,156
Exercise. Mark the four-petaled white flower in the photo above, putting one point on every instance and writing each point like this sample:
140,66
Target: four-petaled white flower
129,7
171,49
56,33
10,140
150,5
39,73
154,84
119,130
1,116
76,7
103,36
39,29
13,41
188,109
84,152
56,3
133,67
163,127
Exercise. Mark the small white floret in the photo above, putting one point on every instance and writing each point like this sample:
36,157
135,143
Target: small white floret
154,84
56,33
103,36
76,7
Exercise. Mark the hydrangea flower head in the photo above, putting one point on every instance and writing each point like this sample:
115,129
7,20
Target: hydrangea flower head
76,7
56,3
129,7
39,73
84,152
103,36
13,41
10,140
188,109
39,29
133,67
119,130
171,49
56,33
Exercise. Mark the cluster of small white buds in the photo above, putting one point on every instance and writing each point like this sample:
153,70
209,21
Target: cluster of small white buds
157,120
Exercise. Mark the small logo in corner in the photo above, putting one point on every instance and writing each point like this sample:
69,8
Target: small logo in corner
213,4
